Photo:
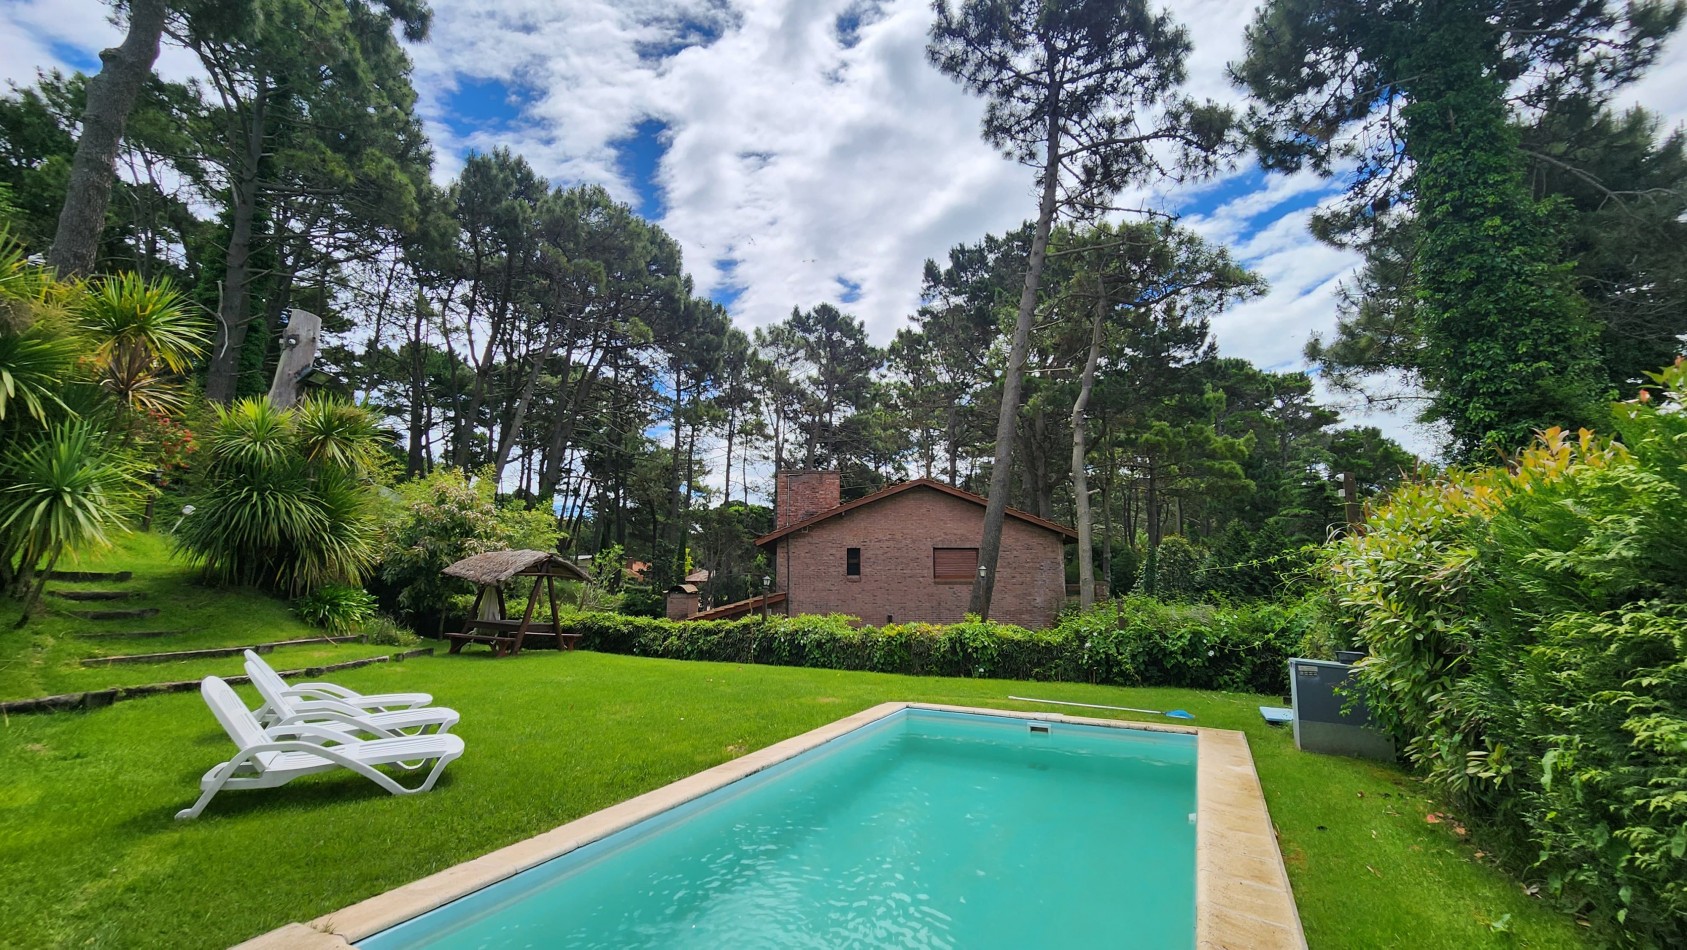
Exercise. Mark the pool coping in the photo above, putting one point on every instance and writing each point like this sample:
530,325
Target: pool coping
1242,893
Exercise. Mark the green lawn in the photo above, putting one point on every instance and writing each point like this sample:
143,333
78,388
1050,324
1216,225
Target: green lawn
44,657
92,856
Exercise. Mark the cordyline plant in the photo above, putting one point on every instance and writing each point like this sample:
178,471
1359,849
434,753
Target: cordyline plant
67,475
61,491
288,500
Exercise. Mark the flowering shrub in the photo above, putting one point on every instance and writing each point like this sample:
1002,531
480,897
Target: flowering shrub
166,443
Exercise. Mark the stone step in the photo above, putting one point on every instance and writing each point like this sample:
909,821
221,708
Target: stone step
105,697
98,594
213,652
135,614
83,577
125,634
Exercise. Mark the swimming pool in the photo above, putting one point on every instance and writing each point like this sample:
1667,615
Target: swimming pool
924,828
1242,896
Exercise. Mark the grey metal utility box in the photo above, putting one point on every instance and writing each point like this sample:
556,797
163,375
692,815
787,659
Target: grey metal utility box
1321,725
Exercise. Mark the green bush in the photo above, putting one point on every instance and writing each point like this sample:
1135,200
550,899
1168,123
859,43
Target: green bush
1528,633
1127,561
338,608
288,498
1135,642
1172,569
382,630
442,519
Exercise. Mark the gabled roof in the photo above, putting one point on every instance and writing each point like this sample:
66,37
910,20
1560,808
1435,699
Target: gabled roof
931,483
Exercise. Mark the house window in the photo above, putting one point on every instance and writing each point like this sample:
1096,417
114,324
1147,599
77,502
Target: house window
852,562
954,564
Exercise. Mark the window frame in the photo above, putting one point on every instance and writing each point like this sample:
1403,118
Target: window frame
852,562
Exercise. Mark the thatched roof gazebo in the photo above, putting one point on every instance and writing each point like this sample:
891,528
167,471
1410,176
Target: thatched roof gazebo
489,621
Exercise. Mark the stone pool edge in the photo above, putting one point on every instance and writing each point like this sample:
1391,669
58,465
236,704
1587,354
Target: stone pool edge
1242,894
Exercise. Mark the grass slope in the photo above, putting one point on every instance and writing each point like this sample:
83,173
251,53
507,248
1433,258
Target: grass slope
44,657
91,855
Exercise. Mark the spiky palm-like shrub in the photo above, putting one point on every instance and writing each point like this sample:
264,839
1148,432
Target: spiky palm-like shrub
37,353
61,490
288,499
337,608
67,472
143,335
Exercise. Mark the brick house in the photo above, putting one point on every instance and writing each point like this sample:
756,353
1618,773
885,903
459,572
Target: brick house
907,553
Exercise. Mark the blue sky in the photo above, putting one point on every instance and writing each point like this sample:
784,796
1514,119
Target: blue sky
802,151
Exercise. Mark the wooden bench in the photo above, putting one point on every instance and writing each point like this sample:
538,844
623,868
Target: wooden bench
489,572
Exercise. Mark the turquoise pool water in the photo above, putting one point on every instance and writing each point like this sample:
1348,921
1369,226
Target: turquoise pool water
925,829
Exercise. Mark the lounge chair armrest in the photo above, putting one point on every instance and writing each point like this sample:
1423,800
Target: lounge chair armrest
354,720
307,731
322,706
281,745
321,691
330,753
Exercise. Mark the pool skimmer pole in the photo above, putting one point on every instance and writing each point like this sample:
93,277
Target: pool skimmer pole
1170,714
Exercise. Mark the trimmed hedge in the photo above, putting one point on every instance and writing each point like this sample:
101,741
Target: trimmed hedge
1137,641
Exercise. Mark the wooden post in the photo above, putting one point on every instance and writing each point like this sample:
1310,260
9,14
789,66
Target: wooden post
299,344
527,616
550,594
468,627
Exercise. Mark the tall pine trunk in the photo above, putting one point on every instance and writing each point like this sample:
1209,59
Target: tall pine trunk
529,385
234,310
1080,478
111,97
416,459
995,509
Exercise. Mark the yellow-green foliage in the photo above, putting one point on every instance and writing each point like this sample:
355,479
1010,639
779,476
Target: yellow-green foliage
1528,636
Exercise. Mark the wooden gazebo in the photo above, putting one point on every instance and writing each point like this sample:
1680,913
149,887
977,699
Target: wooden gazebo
490,572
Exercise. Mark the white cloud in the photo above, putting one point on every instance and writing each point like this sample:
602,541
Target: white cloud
29,31
794,161
1663,89
34,32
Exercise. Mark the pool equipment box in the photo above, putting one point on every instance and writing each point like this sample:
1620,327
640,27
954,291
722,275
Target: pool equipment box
1322,724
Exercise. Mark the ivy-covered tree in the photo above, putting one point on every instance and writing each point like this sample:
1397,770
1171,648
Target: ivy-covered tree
1418,96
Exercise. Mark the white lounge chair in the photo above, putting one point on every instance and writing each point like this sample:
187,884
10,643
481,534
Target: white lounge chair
268,758
308,692
280,709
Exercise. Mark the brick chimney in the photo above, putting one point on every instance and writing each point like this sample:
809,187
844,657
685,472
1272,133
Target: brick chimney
803,494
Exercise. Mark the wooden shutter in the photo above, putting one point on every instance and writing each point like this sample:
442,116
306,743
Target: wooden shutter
954,564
